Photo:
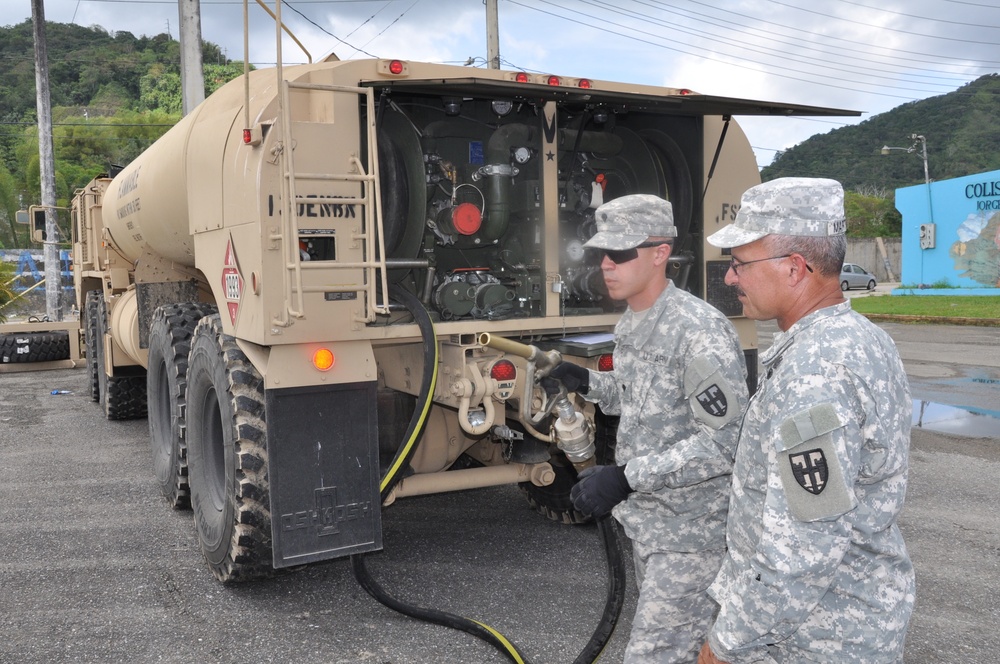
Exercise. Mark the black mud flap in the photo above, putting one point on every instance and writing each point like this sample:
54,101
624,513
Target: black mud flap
323,469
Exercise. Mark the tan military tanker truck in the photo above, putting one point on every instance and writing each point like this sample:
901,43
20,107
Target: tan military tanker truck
307,286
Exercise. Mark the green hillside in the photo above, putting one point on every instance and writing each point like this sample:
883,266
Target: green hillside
961,129
112,95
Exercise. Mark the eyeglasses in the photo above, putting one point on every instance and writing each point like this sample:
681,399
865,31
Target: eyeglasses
619,256
735,265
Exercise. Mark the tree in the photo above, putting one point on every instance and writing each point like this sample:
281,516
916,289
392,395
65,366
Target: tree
871,216
6,291
8,210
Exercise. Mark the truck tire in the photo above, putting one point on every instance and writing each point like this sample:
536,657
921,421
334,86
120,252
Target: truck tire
166,385
553,501
227,455
121,397
23,347
90,336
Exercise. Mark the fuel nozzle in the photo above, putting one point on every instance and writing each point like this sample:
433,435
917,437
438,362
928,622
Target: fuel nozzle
573,433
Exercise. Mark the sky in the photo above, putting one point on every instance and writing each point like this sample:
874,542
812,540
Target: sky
863,55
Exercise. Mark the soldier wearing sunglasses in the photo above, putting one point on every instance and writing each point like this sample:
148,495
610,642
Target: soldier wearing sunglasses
679,386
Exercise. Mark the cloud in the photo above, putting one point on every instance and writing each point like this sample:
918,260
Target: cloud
869,55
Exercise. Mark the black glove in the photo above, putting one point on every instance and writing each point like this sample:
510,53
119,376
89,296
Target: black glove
599,489
573,376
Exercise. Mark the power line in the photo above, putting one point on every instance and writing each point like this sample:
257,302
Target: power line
785,56
797,44
922,18
702,55
799,31
905,32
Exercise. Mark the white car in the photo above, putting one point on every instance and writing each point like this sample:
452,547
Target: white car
855,276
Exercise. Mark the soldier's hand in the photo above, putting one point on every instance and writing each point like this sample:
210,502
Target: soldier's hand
599,489
706,656
573,376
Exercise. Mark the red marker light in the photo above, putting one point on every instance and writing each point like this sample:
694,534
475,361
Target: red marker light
323,359
585,83
396,67
247,136
685,91
553,80
606,362
521,77
503,371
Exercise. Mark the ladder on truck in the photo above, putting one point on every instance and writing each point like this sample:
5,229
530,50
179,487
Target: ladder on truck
371,236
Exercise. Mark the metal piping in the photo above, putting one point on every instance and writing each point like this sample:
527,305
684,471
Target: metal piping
540,474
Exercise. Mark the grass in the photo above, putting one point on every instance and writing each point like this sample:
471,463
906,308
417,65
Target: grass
966,306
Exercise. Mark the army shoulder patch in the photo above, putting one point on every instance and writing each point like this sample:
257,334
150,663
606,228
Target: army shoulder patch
810,470
712,400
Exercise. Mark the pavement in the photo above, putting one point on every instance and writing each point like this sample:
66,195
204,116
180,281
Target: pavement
95,568
880,289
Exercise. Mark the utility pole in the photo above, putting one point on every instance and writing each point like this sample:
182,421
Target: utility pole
47,166
492,35
192,76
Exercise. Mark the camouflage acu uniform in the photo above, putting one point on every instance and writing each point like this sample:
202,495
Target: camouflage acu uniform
816,570
679,384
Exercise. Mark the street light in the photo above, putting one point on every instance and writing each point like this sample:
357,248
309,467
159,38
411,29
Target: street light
927,232
917,140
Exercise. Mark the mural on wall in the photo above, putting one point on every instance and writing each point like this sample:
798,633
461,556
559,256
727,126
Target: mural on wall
951,235
976,253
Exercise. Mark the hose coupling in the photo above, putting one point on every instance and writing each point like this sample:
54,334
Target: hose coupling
574,435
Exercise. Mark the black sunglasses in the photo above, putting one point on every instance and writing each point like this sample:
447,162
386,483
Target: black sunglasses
619,256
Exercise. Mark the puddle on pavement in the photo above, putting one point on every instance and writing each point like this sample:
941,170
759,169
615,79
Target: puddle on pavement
955,420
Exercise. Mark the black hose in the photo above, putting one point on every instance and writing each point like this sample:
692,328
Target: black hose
394,474
443,618
610,533
427,383
607,527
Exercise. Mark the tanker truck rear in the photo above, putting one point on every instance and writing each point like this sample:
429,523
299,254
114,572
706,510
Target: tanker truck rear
308,282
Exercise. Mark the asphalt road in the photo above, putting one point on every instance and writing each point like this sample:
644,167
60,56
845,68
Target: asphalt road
94,567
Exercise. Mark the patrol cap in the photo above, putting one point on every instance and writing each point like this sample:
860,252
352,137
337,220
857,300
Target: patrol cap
786,206
628,221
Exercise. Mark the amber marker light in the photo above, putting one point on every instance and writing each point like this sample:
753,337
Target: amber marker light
503,371
606,362
323,359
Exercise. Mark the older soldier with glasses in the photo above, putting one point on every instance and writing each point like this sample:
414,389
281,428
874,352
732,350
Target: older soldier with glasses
679,385
816,570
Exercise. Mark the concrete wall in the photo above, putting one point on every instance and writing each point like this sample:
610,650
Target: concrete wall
865,252
964,213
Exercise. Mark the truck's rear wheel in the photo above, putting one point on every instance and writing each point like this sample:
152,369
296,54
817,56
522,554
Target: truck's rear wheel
227,455
121,397
166,385
90,336
553,501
